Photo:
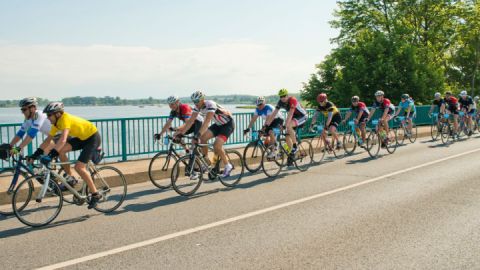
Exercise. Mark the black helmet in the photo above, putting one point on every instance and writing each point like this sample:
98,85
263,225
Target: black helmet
28,101
53,107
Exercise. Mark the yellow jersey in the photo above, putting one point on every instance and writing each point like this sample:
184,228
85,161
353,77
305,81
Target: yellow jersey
79,127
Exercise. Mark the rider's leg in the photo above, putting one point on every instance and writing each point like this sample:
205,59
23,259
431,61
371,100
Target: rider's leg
291,138
63,158
218,148
206,136
363,130
455,122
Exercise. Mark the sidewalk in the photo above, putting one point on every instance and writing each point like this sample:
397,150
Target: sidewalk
136,171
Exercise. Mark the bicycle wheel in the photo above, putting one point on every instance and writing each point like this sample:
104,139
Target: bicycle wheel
401,134
252,156
391,141
111,183
318,149
413,133
272,161
6,177
187,175
304,156
373,144
445,133
435,131
32,210
159,170
349,142
235,158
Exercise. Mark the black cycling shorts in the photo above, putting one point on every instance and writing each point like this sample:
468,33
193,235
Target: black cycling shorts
223,131
88,146
276,123
194,128
336,120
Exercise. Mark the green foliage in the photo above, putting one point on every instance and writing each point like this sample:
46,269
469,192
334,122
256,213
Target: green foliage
417,47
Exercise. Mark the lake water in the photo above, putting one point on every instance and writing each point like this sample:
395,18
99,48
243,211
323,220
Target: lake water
13,115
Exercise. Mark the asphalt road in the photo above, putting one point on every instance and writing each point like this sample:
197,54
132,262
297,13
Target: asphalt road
415,209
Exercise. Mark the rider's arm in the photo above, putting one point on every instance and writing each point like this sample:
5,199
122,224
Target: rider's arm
271,117
372,111
385,112
20,133
206,122
289,117
347,116
359,116
252,121
62,140
431,109
329,119
167,125
189,122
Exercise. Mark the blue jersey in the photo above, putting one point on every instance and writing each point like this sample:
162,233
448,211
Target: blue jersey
409,103
267,111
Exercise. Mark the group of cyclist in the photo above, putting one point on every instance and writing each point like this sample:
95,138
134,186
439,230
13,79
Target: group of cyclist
65,132
453,106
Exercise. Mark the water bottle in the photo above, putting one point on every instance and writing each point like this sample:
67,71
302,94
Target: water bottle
166,140
383,134
215,159
358,132
285,146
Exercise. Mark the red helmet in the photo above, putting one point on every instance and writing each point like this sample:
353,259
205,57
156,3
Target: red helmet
321,97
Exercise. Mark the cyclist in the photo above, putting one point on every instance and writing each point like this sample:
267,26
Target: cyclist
84,136
361,111
388,109
475,100
35,121
221,129
183,112
468,106
266,111
451,104
296,117
438,102
332,117
407,105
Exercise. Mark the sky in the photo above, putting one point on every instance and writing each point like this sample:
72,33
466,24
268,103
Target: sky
141,48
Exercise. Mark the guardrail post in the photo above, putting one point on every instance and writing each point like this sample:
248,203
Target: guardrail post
30,149
124,139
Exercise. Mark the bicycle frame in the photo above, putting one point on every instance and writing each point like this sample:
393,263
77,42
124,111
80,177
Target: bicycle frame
18,169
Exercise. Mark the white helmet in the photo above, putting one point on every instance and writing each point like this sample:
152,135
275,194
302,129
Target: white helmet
29,101
379,93
172,99
463,93
476,98
53,107
437,95
260,100
197,96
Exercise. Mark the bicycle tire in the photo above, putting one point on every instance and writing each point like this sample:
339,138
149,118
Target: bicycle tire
304,156
238,170
107,183
252,156
349,142
4,176
26,214
373,144
177,172
157,180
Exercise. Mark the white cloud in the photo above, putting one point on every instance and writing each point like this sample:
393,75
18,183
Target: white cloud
233,66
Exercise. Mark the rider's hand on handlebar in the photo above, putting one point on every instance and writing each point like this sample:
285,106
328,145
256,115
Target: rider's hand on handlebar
245,131
157,137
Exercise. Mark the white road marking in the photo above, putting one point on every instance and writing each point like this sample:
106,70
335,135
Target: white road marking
241,217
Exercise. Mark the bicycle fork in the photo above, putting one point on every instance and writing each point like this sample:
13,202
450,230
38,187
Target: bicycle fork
44,188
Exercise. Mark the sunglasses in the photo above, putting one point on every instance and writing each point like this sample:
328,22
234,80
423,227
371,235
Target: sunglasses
24,109
283,96
50,114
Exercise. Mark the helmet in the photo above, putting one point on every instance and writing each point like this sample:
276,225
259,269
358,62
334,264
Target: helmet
463,93
321,97
448,93
355,99
476,98
437,95
197,96
260,100
53,107
405,96
283,92
29,101
379,93
172,99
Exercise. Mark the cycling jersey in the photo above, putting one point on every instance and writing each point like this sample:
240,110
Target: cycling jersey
409,103
385,104
291,103
221,115
31,127
465,103
328,108
267,111
183,113
361,107
452,102
438,103
79,127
